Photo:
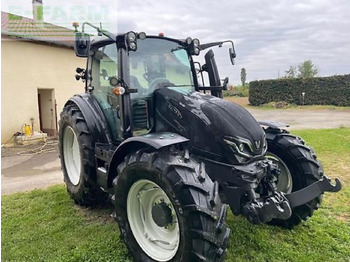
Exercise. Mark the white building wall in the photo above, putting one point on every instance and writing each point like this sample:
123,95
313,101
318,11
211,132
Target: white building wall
27,67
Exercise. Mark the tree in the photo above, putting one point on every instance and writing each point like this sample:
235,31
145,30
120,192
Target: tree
243,76
307,69
292,72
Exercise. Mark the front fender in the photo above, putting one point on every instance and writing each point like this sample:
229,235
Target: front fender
273,124
93,116
132,144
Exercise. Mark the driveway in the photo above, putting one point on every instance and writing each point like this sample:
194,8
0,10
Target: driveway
39,166
305,119
24,168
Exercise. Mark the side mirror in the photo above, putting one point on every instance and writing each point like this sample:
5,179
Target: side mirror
82,44
232,54
213,73
211,68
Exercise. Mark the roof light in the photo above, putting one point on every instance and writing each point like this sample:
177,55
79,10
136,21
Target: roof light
133,46
196,42
131,36
142,35
75,25
196,51
194,46
131,41
161,34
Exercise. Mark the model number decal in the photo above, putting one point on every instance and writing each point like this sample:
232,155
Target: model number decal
175,111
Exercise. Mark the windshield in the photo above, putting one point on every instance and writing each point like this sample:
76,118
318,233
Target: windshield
159,63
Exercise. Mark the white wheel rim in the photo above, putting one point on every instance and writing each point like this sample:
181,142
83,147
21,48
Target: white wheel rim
285,180
71,153
159,243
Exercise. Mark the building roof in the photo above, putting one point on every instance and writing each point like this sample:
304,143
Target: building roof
25,28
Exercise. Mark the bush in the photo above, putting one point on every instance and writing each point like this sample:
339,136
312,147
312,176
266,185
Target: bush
334,90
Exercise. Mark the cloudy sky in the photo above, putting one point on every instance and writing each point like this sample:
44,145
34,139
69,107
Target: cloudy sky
269,36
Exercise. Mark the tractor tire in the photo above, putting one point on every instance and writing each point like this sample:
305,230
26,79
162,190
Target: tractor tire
168,209
77,158
299,168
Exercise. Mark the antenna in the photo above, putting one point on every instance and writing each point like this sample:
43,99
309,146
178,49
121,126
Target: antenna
100,31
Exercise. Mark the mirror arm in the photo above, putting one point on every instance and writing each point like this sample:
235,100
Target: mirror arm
205,46
100,31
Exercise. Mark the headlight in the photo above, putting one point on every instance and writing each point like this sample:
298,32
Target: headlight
243,147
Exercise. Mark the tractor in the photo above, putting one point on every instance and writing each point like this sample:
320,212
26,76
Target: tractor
171,158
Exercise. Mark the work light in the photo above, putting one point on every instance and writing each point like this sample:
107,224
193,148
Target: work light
131,41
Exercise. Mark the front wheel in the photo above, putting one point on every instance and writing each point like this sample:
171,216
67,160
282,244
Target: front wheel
299,168
168,209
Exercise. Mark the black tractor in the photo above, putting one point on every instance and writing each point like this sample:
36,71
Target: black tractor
170,157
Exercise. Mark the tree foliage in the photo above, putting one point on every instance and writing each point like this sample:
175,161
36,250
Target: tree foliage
292,72
305,69
243,76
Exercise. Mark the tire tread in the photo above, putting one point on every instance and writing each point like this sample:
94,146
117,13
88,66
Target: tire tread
192,194
308,170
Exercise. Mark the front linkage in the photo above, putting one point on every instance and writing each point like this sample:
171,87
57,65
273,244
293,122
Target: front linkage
278,205
251,190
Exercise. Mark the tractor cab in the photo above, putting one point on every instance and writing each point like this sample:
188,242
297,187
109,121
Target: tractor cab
124,71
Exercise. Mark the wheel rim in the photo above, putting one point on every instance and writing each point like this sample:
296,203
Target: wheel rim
71,153
285,180
159,243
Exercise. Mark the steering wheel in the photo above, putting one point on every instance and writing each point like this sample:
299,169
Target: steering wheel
159,82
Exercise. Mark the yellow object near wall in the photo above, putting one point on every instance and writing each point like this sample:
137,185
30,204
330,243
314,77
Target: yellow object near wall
27,130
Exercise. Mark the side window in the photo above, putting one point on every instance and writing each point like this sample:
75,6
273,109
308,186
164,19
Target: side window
105,65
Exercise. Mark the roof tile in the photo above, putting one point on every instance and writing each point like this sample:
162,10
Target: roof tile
27,29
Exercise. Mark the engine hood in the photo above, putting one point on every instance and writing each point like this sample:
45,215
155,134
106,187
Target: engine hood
218,128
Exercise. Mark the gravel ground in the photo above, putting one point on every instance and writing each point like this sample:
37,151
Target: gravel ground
28,167
305,119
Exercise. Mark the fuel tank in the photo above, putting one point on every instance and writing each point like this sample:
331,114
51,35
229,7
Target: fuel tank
217,129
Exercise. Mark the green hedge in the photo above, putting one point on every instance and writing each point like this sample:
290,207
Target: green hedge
334,90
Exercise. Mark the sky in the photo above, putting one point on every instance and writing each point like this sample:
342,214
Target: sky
269,36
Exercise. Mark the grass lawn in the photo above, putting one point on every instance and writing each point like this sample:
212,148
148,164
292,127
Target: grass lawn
45,225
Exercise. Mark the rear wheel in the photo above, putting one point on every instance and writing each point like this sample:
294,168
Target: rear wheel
168,209
77,157
299,168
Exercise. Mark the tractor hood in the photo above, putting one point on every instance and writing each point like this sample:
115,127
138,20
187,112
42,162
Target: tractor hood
216,128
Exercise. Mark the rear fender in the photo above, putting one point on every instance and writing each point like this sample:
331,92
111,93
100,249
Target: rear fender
132,144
